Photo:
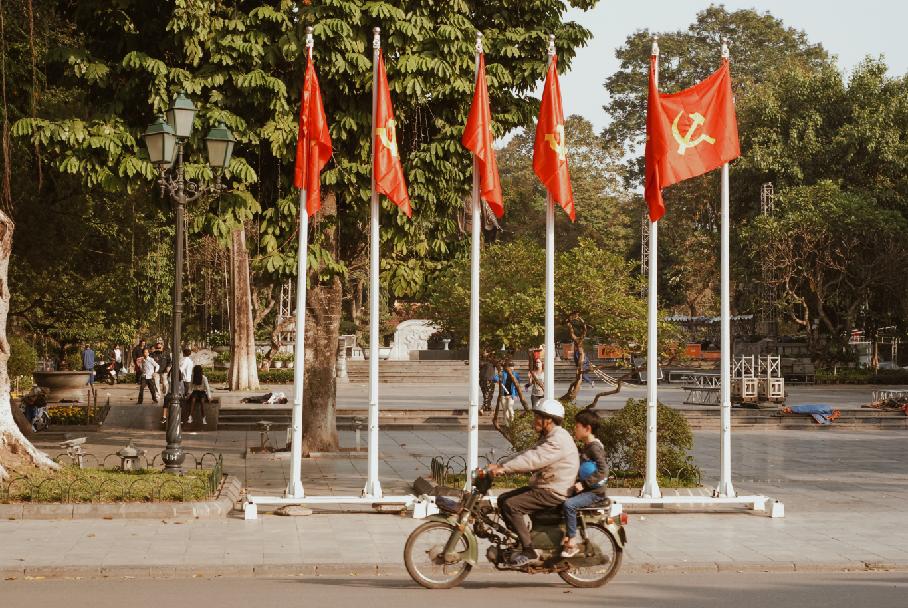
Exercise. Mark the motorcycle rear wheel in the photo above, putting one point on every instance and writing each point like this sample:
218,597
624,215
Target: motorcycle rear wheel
598,575
422,559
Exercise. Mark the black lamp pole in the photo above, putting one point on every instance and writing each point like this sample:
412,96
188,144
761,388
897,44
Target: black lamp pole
165,144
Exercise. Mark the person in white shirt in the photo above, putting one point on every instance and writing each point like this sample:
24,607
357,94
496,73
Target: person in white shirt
200,393
149,367
186,366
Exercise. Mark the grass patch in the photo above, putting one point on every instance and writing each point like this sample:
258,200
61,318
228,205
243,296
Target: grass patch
72,484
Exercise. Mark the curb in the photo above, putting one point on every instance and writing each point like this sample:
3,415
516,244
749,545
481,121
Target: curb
220,507
383,569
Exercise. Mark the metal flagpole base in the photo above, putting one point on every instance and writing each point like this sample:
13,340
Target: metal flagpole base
372,489
295,489
725,489
651,489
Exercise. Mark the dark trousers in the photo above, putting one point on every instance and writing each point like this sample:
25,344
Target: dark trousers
488,391
516,504
149,382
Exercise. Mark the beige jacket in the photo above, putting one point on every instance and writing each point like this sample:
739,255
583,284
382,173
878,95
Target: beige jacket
554,462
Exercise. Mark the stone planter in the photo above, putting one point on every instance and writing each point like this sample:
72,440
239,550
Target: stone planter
64,386
277,364
383,352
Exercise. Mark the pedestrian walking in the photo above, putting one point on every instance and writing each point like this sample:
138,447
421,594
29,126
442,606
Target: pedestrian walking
137,354
186,367
162,375
487,378
148,366
117,358
537,383
585,368
88,362
508,391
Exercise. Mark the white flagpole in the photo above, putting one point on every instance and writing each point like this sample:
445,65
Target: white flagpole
373,486
725,488
549,360
295,485
651,480
473,439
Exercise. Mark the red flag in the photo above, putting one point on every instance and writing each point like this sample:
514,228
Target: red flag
549,153
688,133
477,137
313,143
386,167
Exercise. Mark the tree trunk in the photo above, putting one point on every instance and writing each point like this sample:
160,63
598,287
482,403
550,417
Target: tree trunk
323,315
243,375
577,339
17,454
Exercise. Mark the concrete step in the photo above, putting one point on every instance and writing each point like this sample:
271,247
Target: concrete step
246,417
434,372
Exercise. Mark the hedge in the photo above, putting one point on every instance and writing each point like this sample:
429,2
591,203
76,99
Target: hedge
849,375
272,376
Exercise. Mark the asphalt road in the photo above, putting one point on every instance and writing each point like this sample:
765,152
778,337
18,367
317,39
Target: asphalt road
880,590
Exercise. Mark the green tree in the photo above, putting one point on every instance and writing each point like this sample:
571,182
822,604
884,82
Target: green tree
605,212
761,46
242,63
837,256
596,294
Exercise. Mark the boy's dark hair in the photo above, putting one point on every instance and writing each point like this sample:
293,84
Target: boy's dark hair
186,352
588,418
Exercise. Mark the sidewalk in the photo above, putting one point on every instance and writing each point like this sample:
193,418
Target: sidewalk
844,494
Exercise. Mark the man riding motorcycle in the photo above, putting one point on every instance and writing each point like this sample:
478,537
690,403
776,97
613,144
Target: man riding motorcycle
554,462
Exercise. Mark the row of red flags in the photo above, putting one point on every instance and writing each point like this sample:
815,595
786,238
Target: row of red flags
687,134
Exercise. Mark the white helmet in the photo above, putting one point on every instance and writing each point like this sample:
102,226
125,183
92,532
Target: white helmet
550,407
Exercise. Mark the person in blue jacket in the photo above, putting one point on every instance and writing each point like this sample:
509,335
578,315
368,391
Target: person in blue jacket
508,390
88,362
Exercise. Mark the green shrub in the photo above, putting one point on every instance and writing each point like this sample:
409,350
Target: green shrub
272,376
851,375
23,358
520,431
624,437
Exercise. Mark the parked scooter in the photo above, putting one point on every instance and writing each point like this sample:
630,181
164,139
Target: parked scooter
35,405
106,372
440,553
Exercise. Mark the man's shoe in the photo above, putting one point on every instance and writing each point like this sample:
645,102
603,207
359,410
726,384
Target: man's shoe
524,558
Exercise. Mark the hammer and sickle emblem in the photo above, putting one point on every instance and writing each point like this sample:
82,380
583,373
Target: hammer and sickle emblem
557,143
686,141
388,136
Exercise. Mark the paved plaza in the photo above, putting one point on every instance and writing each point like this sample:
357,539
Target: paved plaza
844,493
442,396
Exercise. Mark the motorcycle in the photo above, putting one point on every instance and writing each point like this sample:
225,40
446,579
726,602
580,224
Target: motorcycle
440,553
106,372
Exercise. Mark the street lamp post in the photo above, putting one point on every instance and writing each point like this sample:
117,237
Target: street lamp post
165,140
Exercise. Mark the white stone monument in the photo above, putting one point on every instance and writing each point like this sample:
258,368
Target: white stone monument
412,335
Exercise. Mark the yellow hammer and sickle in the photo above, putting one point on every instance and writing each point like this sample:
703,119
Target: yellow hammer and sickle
557,143
389,141
685,141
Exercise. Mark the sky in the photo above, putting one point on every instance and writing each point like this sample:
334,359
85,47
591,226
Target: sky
847,29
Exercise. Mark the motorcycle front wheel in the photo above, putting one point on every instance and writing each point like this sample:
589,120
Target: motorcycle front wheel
424,556
587,572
